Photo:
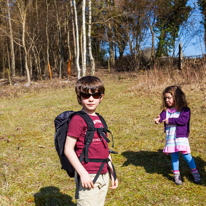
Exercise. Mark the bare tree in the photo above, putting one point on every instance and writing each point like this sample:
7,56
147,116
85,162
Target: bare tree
11,41
47,36
84,63
77,40
73,30
23,13
60,40
67,31
90,41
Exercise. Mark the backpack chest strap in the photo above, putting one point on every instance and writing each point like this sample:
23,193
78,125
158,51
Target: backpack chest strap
101,132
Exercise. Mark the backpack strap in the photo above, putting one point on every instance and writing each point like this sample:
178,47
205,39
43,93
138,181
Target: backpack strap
104,161
105,128
89,135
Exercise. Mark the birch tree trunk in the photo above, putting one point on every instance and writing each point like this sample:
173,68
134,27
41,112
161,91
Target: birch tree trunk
23,11
24,46
84,62
68,33
73,30
21,53
90,41
3,61
77,40
30,63
47,34
8,55
60,41
11,42
81,46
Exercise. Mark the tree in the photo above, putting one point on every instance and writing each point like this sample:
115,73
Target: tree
84,39
171,14
11,41
47,36
151,15
77,40
202,7
22,7
90,41
60,40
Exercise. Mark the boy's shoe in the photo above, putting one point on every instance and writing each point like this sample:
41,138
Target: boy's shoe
196,176
177,178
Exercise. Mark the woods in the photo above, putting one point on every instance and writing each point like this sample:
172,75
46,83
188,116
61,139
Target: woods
43,38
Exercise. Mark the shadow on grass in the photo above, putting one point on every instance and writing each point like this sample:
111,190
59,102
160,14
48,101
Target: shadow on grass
52,196
160,163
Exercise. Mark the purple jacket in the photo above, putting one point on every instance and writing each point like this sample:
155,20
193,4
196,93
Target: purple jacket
182,122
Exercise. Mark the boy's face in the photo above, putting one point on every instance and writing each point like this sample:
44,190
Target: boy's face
90,101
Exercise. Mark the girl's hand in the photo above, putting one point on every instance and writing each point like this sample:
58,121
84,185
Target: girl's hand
157,120
166,121
86,181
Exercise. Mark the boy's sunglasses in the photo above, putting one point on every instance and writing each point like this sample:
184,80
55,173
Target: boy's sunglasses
96,95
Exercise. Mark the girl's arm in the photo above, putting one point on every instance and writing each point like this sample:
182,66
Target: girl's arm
157,120
114,182
73,159
183,118
160,117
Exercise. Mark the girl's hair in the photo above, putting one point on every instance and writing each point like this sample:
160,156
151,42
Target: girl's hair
89,84
178,96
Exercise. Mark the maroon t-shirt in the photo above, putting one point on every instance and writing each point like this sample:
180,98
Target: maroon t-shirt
98,149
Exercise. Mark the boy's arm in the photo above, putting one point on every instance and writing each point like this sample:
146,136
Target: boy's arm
114,182
73,159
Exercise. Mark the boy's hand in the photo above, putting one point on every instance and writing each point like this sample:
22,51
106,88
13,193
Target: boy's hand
157,120
166,121
114,183
86,181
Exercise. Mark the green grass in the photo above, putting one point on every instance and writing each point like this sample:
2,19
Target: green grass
30,171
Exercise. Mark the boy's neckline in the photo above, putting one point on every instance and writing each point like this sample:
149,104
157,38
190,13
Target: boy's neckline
93,114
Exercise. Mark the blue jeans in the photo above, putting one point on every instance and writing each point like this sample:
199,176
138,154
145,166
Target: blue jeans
187,157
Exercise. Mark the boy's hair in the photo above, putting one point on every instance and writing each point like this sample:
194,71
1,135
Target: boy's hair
178,96
89,84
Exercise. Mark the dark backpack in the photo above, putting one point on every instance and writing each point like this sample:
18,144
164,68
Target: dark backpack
61,127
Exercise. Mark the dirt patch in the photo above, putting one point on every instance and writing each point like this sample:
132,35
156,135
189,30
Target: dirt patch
20,84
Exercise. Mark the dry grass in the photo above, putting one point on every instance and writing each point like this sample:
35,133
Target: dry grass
30,172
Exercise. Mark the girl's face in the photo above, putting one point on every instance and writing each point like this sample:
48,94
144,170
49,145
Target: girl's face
169,100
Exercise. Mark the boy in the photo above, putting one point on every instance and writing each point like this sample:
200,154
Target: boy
90,92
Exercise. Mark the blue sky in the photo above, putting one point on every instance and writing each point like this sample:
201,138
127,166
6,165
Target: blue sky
196,45
191,35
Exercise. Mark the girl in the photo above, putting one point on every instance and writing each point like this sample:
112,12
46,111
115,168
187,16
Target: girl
176,118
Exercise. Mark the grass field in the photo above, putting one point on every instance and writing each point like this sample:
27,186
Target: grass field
30,171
